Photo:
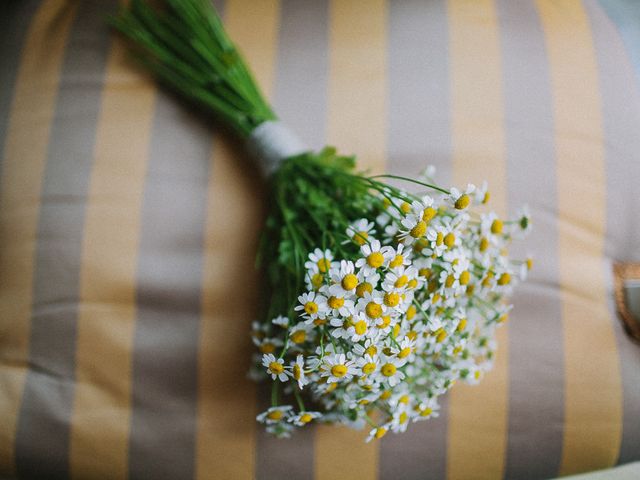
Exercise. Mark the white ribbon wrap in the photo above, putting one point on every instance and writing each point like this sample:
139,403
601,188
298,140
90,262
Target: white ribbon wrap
271,142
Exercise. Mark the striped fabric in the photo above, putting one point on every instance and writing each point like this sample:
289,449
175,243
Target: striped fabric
128,226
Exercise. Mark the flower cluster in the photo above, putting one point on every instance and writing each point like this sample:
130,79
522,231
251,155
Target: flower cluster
409,307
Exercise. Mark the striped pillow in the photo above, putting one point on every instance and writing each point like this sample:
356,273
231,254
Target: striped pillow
128,225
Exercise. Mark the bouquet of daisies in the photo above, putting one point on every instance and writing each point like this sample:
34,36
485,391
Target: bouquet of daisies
379,298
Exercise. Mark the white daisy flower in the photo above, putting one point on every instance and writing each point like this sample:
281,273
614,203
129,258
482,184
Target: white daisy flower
312,305
375,256
275,367
319,261
297,372
281,321
460,200
275,414
303,418
337,368
360,231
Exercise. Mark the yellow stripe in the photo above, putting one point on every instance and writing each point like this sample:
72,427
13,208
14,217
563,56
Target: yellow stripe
593,391
100,423
226,439
357,124
478,414
22,172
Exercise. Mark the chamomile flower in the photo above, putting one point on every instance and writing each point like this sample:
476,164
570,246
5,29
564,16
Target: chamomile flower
344,279
461,200
359,231
374,256
303,418
336,368
281,321
275,415
311,305
275,367
297,372
319,261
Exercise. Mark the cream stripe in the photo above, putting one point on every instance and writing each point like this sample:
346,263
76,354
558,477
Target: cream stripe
356,124
478,414
100,423
593,395
23,168
226,440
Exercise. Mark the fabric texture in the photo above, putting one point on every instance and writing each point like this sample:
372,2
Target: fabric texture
128,226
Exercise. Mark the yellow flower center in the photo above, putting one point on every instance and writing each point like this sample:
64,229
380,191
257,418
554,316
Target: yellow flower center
369,368
385,395
419,230
465,277
462,202
504,279
405,352
471,289
484,244
335,302
339,371
411,312
267,348
424,272
403,417
413,283
373,310
462,325
435,299
319,321
360,238
371,350
360,327
428,214
363,288
401,281
486,198
405,207
441,334
388,369
298,336
305,418
331,388
380,432
296,371
449,239
404,399
391,299
317,279
529,263
274,415
276,368
503,318
439,239
385,321
311,308
397,261
349,282
448,283
426,412
375,260
396,331
420,244
496,226
323,265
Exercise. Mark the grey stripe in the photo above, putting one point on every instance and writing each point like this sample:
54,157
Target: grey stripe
15,18
169,276
419,133
300,101
419,127
536,362
42,438
302,66
621,123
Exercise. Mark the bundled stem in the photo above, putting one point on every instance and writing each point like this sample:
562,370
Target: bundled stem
184,44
